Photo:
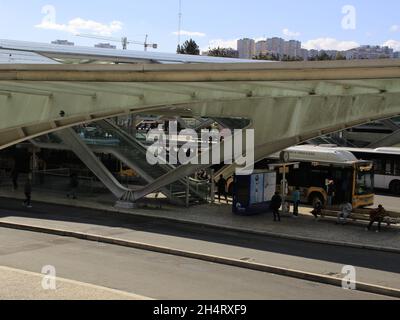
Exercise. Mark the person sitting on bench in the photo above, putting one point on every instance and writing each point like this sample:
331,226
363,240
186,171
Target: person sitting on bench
344,214
377,215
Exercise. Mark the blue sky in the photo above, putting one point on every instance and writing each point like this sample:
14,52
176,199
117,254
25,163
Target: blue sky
317,23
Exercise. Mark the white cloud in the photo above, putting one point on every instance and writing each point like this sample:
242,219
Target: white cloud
289,33
221,43
330,44
394,44
395,28
190,33
78,25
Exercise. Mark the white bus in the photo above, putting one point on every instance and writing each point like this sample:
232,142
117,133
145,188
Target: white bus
386,163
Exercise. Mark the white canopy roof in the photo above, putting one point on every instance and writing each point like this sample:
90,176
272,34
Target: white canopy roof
21,57
64,52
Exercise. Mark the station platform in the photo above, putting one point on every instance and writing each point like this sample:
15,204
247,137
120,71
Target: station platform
304,228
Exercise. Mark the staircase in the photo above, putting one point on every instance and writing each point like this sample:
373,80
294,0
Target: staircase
133,154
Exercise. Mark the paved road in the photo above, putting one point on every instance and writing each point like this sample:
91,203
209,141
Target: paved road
151,274
375,267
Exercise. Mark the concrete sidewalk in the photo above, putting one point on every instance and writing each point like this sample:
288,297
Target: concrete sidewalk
220,215
23,285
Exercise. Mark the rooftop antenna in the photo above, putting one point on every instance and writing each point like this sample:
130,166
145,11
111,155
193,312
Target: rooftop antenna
180,23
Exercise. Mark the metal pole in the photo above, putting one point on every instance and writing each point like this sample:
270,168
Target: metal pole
33,169
212,186
180,22
284,190
124,43
145,42
187,191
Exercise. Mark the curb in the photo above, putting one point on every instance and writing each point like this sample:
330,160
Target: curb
113,210
360,286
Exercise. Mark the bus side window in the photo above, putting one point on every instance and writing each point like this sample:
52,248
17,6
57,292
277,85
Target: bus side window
388,167
379,166
396,168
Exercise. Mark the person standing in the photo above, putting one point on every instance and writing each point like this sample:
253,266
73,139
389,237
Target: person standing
14,177
276,203
331,192
296,202
74,184
221,187
377,215
28,192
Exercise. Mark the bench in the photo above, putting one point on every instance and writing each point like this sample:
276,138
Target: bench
391,218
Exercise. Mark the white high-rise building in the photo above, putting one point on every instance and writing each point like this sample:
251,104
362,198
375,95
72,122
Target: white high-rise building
246,48
313,53
304,54
261,48
369,52
292,48
276,46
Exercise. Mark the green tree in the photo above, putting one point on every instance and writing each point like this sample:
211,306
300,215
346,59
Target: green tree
269,57
223,52
291,58
340,56
189,47
323,56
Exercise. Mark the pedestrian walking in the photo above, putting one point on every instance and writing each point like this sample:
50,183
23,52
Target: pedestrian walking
28,193
296,202
377,215
276,203
74,184
221,187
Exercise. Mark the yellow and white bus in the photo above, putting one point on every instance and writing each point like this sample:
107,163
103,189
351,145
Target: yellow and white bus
353,178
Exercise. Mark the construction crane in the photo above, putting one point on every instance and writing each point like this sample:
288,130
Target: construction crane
124,41
179,23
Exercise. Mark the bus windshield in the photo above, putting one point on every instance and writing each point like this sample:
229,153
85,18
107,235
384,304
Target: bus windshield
364,183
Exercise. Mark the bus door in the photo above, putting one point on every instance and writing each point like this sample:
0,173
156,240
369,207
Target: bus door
344,184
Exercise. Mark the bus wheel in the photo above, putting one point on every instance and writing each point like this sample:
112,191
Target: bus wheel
314,197
395,187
